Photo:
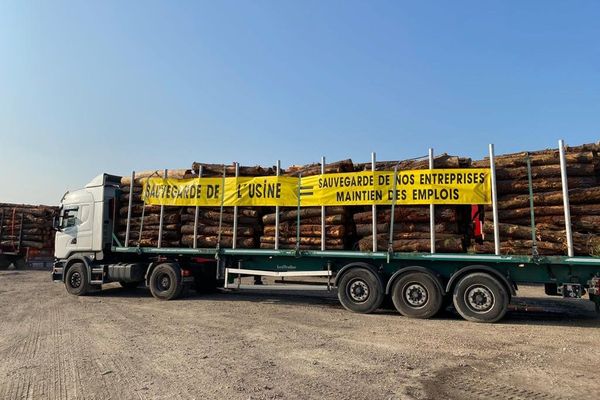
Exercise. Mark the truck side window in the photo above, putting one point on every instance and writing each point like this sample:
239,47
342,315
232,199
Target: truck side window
69,218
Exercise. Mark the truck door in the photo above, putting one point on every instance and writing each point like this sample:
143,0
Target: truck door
84,228
75,230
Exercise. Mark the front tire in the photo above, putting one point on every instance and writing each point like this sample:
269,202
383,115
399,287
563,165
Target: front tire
479,297
360,291
76,280
415,295
165,282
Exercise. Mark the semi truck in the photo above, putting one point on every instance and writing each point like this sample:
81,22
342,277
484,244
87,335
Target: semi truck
479,286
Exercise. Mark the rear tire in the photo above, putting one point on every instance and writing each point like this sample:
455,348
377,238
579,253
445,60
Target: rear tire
19,263
4,262
165,282
479,297
415,295
360,291
76,280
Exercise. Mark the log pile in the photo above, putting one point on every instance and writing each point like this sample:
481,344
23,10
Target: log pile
249,227
26,226
412,223
338,228
146,234
514,210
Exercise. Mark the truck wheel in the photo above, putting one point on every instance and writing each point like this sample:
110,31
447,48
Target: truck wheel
19,263
479,297
416,295
129,285
165,282
76,280
360,291
4,262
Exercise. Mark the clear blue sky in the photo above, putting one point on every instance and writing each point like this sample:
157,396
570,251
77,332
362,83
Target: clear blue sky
91,87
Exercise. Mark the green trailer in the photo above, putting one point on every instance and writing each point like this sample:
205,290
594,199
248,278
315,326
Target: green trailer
88,255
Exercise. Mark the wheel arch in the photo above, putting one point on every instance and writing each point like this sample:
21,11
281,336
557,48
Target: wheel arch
155,264
75,259
508,284
415,268
358,265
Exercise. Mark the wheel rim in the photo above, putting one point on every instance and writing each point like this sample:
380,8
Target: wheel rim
163,282
479,299
358,290
415,294
75,280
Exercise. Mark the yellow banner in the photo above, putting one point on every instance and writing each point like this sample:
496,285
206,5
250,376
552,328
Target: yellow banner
439,186
208,192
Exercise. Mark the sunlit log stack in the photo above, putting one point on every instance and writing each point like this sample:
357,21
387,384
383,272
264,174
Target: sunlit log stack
514,210
249,227
26,226
338,227
146,234
412,223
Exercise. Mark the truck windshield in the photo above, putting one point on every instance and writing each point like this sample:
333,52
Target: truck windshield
69,218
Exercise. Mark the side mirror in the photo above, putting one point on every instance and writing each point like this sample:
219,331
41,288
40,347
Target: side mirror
55,223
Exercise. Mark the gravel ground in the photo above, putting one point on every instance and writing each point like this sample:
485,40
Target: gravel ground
121,344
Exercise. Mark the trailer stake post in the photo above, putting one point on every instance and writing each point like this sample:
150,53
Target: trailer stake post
129,206
162,214
323,233
374,207
431,210
235,209
221,210
197,212
534,248
393,212
565,191
277,173
298,216
494,201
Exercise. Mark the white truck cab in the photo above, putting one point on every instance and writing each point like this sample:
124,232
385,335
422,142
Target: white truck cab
85,220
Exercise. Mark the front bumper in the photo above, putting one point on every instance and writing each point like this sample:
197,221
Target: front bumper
57,272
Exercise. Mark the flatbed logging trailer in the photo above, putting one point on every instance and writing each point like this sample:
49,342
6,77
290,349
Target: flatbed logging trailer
89,254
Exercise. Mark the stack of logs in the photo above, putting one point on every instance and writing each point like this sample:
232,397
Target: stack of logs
338,231
412,223
26,226
249,228
514,211
351,227
146,234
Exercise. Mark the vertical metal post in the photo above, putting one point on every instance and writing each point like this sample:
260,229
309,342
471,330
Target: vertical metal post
197,213
494,201
162,214
222,205
393,213
141,224
431,211
127,230
277,173
2,221
298,214
534,248
374,207
323,233
565,191
235,211
21,231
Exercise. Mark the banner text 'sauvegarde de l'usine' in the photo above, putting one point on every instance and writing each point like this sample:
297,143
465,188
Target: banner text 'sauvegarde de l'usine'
440,186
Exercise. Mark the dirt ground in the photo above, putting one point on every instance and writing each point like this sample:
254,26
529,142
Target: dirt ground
121,344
